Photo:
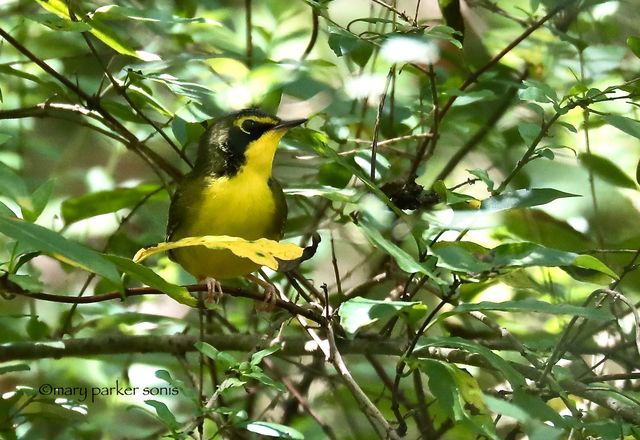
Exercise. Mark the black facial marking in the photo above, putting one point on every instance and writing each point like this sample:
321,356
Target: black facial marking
222,147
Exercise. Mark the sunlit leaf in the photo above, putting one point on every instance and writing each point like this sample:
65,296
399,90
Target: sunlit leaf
523,198
60,24
270,429
458,256
262,251
532,306
348,195
359,312
100,30
409,49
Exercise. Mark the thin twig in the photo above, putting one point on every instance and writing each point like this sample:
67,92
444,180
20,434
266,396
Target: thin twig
474,76
122,91
10,288
393,9
376,129
381,425
315,28
147,154
248,35
484,129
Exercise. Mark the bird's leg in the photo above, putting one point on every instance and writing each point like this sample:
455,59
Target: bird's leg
214,290
270,291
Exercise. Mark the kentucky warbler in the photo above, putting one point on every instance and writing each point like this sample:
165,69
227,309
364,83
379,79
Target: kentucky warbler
230,191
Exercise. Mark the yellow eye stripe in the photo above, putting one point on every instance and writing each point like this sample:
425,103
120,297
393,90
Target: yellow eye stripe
260,119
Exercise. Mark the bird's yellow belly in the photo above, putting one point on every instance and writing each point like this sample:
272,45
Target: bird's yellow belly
241,207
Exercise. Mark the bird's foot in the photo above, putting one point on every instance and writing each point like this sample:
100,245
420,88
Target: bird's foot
270,293
214,290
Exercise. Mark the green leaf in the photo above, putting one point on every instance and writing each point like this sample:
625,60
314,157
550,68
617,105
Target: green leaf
37,330
274,430
361,312
484,176
318,141
347,195
185,390
13,368
225,359
59,247
99,30
26,282
443,387
257,357
59,24
104,202
12,185
334,174
164,414
523,198
194,91
459,396
627,125
511,374
536,429
591,262
528,131
634,44
343,43
39,200
538,92
537,225
257,374
151,279
469,257
532,306
606,170
405,261
114,12
454,256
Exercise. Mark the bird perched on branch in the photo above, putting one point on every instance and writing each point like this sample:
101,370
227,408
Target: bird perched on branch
230,191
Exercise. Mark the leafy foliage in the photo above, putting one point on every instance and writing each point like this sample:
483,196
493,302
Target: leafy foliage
471,178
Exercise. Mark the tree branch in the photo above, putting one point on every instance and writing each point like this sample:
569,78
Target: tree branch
134,144
8,287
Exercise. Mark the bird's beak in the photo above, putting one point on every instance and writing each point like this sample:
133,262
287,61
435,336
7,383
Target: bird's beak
285,125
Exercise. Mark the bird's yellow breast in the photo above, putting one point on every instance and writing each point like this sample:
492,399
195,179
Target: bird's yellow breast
239,206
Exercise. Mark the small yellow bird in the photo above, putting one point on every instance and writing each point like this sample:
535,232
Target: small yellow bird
230,191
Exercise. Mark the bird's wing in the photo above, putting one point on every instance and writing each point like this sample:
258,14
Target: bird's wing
280,219
180,201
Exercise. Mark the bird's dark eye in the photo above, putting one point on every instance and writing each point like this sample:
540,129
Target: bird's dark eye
249,125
